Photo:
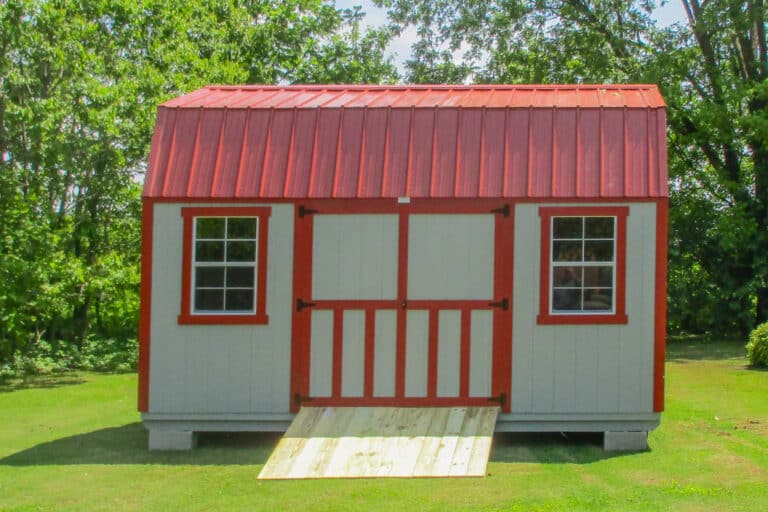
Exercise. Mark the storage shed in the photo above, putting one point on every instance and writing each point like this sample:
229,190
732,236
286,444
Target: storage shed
407,246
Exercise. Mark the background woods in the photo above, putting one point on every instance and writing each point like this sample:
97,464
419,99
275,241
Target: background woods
79,85
80,81
712,73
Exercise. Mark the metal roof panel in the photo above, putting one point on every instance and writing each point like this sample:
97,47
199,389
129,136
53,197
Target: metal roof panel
543,141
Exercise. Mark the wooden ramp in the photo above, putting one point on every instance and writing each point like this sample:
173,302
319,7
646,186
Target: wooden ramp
364,442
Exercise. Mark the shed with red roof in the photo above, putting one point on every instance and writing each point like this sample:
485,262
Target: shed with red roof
410,246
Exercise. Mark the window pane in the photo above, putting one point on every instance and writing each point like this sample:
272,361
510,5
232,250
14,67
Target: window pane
598,276
566,227
209,227
599,227
598,300
209,276
567,276
209,300
566,300
241,227
567,251
239,300
209,251
241,251
240,277
598,251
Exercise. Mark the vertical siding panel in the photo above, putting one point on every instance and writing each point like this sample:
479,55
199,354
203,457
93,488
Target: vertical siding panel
300,161
518,133
353,354
543,378
324,159
540,173
470,154
321,354
251,166
420,160
613,150
397,159
276,158
233,131
492,171
565,172
448,350
372,160
480,354
564,373
348,159
416,342
443,173
585,369
608,372
384,364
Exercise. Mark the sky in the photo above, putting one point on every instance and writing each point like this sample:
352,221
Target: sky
400,48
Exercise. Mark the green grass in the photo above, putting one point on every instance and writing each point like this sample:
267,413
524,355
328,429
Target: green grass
73,442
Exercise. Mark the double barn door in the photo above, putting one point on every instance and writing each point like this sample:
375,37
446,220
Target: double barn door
402,306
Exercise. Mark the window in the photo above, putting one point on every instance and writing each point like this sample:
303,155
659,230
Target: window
583,265
224,265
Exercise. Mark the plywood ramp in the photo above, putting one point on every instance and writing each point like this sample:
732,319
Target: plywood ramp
364,442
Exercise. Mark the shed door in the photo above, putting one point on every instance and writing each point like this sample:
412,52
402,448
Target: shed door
399,308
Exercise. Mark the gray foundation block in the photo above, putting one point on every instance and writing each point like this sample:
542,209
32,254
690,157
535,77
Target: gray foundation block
172,439
614,441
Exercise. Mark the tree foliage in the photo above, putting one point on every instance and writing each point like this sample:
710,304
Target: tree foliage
712,72
79,85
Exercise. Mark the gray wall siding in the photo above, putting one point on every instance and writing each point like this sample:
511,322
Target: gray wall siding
219,368
583,368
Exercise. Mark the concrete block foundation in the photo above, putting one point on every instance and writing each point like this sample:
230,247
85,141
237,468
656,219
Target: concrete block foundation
172,439
614,441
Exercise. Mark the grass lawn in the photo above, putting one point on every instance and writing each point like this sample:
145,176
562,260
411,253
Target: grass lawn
73,442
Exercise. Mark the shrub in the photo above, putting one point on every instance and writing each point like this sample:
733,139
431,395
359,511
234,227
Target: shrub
757,348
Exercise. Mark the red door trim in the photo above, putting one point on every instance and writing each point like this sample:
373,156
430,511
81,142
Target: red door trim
502,318
370,352
503,265
402,293
660,300
145,303
301,323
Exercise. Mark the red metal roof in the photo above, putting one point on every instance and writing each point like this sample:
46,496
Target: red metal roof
566,141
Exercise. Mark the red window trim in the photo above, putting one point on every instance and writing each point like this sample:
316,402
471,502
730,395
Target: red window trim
619,316
260,316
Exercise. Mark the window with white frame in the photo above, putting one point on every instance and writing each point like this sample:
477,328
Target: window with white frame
583,264
225,265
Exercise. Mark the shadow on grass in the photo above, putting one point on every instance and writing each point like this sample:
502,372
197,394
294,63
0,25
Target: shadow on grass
682,350
128,445
551,448
41,382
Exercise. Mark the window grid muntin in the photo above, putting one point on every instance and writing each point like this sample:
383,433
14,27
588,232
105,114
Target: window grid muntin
225,264
582,264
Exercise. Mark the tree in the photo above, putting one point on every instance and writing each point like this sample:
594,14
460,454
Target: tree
712,72
79,85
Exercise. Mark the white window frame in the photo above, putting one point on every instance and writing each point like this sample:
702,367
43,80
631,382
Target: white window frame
254,265
583,264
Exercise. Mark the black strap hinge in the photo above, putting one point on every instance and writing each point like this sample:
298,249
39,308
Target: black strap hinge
298,399
304,211
501,399
300,304
504,210
503,304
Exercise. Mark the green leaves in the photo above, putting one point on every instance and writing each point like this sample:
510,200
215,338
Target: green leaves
79,86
